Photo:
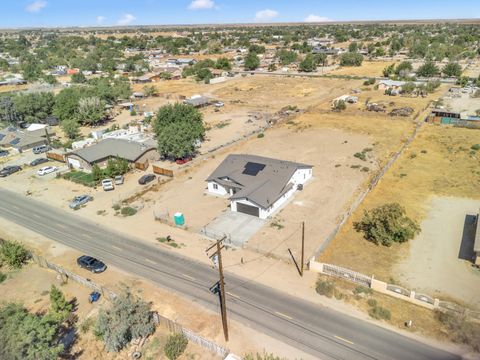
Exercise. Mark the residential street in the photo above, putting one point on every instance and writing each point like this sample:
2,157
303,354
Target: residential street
322,332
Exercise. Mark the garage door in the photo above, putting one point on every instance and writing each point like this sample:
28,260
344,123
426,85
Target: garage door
248,209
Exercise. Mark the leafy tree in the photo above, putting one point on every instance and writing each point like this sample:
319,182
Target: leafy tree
175,346
429,69
13,254
272,67
387,224
165,75
204,75
353,47
308,64
128,318
287,57
409,87
79,78
8,111
389,70
25,336
351,59
452,69
257,49
71,128
117,166
149,90
339,105
320,59
90,110
34,107
223,64
50,79
404,68
251,61
178,129
97,173
60,308
66,102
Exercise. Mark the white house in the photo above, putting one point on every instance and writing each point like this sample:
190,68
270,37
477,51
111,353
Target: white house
257,185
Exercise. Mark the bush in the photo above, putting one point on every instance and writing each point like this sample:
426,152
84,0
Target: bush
128,211
339,105
362,289
360,155
59,306
475,147
3,277
370,81
372,302
325,288
86,325
175,346
13,254
81,177
351,59
263,356
459,329
387,224
379,313
128,318
261,135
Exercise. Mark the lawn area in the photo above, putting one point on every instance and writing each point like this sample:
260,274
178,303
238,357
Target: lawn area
80,177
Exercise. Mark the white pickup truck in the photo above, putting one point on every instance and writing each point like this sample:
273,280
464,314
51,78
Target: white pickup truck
107,184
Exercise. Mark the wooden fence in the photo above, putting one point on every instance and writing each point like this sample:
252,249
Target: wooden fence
56,156
142,166
162,171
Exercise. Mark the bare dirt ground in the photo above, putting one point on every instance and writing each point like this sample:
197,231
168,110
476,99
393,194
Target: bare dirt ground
439,259
368,68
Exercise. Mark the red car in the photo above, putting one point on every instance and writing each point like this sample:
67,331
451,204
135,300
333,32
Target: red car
183,160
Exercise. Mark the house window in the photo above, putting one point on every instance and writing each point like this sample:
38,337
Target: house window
215,187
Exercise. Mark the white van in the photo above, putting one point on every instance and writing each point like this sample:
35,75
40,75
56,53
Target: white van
40,149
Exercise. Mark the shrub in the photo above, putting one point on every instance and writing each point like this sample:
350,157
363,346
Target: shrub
116,207
86,325
13,254
372,302
175,346
387,224
128,211
263,356
379,313
475,147
339,105
59,306
459,329
362,289
325,288
3,277
370,81
360,155
261,135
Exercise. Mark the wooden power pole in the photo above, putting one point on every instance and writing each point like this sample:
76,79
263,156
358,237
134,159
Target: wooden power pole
221,283
303,248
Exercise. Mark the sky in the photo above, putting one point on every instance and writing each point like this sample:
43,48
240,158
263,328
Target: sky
54,13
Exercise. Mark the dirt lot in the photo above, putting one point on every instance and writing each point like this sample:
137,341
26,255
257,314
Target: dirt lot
438,162
440,258
368,68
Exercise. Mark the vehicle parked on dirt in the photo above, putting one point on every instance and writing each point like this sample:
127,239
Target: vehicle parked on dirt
4,153
145,179
9,170
46,170
79,201
184,160
91,264
107,184
38,161
119,179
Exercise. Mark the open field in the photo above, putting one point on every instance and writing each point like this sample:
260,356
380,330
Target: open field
368,69
438,162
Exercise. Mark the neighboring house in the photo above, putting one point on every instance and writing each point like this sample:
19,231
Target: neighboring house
24,140
476,244
390,84
257,185
100,153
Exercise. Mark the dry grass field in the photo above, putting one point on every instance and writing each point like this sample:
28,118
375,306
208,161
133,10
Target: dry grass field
438,162
368,68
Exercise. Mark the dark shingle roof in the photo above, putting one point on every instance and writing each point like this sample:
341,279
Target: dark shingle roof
259,179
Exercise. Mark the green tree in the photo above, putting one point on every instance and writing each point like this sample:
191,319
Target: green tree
50,79
25,336
320,59
71,128
252,61
204,75
97,173
409,87
175,346
34,107
117,166
272,67
178,129
13,254
286,57
150,90
90,110
389,70
452,69
60,308
353,47
223,64
387,224
8,111
351,59
339,105
78,78
127,318
403,68
308,64
429,69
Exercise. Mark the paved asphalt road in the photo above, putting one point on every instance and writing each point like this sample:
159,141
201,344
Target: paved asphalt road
322,332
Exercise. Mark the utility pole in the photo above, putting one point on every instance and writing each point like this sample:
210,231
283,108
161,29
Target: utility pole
217,255
303,248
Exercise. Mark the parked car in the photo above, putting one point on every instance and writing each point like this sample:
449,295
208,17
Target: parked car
38,161
107,184
145,179
46,170
119,180
219,104
79,201
184,160
9,170
4,153
40,149
92,264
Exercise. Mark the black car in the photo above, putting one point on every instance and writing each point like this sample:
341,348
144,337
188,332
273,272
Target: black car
38,161
145,179
9,170
3,153
92,264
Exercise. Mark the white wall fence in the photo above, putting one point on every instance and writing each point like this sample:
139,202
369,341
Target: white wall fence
392,289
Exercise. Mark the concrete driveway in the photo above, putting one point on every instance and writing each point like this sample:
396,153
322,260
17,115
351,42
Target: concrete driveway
236,226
